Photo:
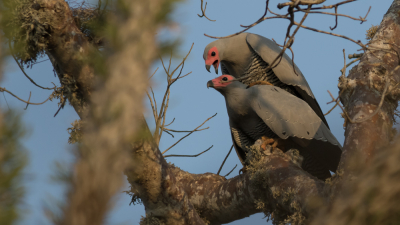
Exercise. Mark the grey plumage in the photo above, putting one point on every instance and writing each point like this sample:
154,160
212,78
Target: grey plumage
248,53
266,110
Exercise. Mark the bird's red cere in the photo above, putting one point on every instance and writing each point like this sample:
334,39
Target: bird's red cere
221,82
213,57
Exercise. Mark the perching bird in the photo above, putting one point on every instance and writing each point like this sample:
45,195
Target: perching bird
248,53
267,111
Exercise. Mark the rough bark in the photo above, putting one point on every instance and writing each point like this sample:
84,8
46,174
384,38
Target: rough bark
368,188
167,192
69,50
363,89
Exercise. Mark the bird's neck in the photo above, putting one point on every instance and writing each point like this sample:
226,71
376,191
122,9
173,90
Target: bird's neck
237,100
236,59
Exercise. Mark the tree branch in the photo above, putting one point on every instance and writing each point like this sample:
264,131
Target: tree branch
365,88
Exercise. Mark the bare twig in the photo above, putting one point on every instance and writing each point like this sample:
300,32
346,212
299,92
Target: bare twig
184,131
262,17
352,56
189,133
298,2
6,101
334,100
347,65
154,73
334,5
189,155
222,165
336,19
343,70
23,71
362,19
246,29
170,123
170,59
30,94
343,75
231,171
27,102
203,11
288,44
169,133
61,107
164,113
333,34
161,115
291,11
152,107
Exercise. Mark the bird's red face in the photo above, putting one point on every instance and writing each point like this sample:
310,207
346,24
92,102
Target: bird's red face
212,59
220,82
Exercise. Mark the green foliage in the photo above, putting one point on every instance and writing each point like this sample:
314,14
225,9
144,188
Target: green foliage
12,162
26,27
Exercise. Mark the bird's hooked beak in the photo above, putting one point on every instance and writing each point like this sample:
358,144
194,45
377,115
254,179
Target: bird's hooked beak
215,65
208,68
210,83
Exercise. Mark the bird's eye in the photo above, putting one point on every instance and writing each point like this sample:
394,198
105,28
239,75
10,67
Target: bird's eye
212,53
225,79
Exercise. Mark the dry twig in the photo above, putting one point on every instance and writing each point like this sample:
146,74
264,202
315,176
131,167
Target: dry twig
191,132
23,71
160,115
343,71
27,102
294,7
220,168
190,155
231,171
203,11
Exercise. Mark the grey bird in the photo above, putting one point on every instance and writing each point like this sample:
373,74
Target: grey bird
267,111
248,53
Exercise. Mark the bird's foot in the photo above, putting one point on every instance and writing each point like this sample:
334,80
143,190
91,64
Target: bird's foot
268,141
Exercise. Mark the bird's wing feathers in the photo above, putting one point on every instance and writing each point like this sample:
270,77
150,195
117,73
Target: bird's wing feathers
239,142
268,51
288,116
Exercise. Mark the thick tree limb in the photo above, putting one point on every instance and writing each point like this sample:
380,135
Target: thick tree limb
68,50
155,182
363,90
216,199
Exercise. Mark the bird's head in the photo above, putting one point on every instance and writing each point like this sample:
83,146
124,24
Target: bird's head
212,56
220,83
232,52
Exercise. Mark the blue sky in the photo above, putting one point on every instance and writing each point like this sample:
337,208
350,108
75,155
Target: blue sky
318,56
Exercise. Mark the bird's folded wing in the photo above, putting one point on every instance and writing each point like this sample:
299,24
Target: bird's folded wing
268,51
288,116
